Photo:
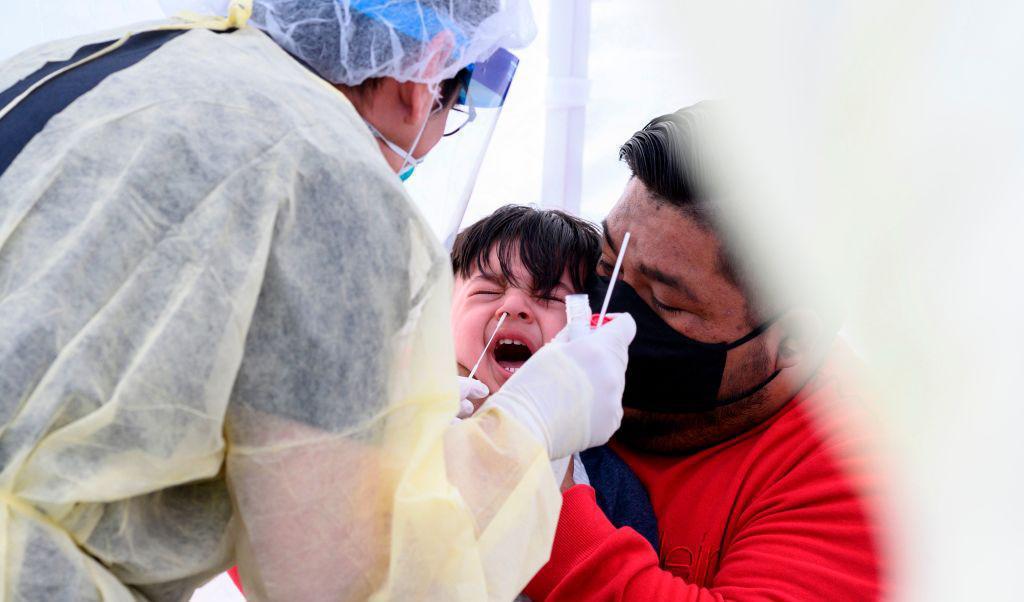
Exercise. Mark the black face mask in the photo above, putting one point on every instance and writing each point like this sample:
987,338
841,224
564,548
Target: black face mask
669,372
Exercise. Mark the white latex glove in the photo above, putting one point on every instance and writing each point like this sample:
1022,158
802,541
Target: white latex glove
470,388
569,394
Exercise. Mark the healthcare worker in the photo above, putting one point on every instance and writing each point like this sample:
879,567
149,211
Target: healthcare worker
224,328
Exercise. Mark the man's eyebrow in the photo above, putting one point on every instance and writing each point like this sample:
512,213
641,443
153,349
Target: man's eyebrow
608,236
668,280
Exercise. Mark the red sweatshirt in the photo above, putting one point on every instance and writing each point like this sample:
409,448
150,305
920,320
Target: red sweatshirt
775,514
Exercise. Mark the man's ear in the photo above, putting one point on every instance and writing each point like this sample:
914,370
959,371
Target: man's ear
416,97
801,332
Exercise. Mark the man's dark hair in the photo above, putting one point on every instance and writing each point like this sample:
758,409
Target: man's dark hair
547,242
674,165
670,160
674,159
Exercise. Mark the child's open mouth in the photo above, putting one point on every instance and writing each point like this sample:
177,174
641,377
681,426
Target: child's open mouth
511,354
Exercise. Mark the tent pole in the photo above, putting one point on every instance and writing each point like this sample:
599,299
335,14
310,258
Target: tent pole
566,104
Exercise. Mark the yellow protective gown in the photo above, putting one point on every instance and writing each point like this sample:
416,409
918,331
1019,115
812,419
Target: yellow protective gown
224,338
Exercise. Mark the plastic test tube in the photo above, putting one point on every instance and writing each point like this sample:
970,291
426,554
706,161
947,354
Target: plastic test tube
577,312
578,316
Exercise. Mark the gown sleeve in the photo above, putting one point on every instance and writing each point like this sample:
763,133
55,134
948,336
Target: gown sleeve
349,479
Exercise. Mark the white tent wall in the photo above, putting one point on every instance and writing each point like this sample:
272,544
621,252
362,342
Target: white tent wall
566,100
25,24
640,68
637,68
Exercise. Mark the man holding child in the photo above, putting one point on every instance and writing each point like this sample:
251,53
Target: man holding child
736,418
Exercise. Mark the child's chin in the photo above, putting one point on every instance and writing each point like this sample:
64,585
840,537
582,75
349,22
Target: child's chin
496,379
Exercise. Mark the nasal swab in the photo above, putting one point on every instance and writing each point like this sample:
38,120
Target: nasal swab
488,345
611,285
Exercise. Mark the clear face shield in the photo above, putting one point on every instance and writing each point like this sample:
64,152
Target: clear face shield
443,185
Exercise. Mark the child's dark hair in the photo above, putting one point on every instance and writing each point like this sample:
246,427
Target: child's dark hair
547,241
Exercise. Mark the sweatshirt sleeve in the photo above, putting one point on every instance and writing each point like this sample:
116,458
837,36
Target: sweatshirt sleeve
804,537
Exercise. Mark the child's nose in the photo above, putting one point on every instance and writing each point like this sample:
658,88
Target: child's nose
518,305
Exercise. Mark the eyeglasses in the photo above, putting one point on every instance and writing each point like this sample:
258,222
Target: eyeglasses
458,118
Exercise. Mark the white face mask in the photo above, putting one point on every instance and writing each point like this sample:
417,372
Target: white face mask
409,162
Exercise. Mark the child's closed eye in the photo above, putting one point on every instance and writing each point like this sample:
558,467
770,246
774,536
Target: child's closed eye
487,292
550,299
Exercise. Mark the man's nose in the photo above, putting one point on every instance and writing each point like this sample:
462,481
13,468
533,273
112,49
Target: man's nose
518,304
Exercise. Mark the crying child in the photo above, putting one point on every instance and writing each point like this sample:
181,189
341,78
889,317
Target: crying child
522,262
